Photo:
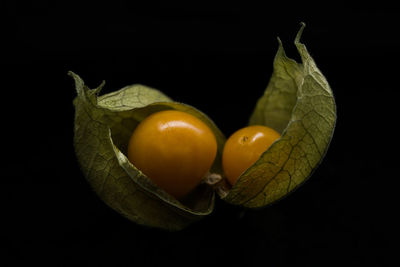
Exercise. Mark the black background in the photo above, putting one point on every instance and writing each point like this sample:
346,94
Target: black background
218,58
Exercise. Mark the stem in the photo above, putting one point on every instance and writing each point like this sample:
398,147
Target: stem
218,183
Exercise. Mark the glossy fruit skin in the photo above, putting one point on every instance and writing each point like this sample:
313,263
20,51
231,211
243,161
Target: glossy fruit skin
174,149
244,147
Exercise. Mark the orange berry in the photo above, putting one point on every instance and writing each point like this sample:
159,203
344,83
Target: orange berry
174,149
244,147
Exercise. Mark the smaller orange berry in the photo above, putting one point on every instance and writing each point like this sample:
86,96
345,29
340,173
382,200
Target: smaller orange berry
244,147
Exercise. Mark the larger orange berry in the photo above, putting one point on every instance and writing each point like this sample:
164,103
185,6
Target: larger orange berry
174,149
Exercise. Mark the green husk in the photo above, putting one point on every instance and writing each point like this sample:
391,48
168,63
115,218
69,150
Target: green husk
103,125
299,104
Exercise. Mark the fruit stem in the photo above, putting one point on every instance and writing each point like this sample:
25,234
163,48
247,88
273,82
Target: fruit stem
218,183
